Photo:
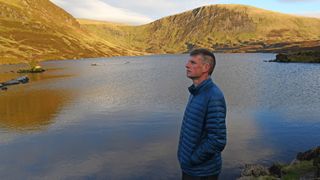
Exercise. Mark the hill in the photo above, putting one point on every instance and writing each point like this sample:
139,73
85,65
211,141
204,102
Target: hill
39,30
222,28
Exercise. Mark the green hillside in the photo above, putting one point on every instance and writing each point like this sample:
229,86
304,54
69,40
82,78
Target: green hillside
39,30
228,28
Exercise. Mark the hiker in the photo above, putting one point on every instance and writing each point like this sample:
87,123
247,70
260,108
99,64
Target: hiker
203,129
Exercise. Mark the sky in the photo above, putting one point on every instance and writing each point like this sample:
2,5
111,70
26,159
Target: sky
145,11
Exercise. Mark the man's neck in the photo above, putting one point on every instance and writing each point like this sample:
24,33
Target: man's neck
199,80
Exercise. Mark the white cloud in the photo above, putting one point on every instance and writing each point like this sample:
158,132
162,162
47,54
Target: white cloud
299,1
144,11
133,12
159,8
311,14
100,10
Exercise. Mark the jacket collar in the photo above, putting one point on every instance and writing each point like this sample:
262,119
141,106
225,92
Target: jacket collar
197,89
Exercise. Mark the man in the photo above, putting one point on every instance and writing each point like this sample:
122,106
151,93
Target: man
203,130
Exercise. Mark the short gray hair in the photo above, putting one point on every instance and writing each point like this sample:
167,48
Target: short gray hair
208,57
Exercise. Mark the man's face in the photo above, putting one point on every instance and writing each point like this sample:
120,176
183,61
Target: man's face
195,67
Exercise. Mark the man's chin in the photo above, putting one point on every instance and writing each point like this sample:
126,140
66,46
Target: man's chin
190,77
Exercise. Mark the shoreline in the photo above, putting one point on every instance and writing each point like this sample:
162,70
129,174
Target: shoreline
52,60
289,51
306,165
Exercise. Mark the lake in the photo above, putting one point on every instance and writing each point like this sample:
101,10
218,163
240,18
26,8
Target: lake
121,119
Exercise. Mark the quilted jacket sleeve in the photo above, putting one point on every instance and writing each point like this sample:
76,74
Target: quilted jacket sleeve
215,128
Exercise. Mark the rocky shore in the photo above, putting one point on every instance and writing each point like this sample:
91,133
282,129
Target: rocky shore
19,80
34,69
311,56
306,165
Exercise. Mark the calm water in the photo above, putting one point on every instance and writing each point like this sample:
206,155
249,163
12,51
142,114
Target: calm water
121,119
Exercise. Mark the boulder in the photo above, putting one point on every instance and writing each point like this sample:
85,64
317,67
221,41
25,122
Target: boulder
36,69
275,170
282,58
316,163
309,155
11,82
23,79
255,170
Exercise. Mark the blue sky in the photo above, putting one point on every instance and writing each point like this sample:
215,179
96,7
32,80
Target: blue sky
144,11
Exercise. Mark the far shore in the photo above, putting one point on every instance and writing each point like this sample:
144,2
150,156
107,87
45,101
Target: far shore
291,55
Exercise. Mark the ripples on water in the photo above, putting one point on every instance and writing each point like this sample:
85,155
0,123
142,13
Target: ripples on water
121,118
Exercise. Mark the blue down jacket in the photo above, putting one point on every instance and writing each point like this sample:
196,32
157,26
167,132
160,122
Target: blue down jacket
203,131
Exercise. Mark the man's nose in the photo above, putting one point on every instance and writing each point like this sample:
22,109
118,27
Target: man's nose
187,65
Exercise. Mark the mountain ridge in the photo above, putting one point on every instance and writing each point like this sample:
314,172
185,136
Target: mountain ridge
225,28
36,30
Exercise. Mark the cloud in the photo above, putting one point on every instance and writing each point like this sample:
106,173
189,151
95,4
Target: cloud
145,11
299,1
159,8
132,12
100,10
310,14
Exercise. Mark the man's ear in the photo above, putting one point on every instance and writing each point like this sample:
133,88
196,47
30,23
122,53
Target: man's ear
206,67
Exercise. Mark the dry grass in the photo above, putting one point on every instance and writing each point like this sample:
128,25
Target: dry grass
214,27
39,30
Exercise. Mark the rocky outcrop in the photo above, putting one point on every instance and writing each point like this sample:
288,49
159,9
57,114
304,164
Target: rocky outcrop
307,56
309,155
255,170
36,69
19,80
306,165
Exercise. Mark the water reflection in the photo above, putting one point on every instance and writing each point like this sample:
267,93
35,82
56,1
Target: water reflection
28,107
30,110
121,120
96,149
